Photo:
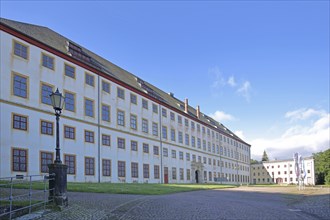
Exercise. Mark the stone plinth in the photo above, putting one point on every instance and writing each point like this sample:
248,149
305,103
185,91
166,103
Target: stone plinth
58,183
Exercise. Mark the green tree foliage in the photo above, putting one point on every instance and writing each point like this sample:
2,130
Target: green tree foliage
265,156
254,161
322,167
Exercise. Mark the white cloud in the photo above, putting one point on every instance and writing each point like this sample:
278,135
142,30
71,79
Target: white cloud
303,114
245,90
218,81
222,116
304,139
231,81
240,134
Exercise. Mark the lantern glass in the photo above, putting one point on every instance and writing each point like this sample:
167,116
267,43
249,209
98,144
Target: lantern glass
57,100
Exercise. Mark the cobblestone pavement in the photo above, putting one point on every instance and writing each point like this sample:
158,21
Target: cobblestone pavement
236,203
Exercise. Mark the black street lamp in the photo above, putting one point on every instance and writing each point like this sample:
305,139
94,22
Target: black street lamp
57,103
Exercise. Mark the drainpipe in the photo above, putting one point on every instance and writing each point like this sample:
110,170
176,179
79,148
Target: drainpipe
161,145
98,130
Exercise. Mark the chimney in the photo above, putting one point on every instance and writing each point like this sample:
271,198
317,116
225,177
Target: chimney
186,105
198,112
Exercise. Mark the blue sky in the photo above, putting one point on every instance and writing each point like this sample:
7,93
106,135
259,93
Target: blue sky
259,67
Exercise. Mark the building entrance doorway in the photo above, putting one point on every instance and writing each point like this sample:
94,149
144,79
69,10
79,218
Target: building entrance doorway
165,174
197,176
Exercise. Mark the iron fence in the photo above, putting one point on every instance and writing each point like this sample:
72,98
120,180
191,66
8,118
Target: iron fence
21,194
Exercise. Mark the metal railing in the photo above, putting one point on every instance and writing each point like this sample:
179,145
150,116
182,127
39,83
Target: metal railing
20,195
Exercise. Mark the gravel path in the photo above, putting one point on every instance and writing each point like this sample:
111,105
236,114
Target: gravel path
238,203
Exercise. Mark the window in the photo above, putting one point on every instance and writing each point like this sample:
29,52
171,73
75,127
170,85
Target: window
187,139
19,158
181,174
173,154
200,159
179,119
121,143
156,171
203,130
198,128
172,115
89,79
188,174
145,170
69,101
20,50
192,125
165,152
154,108
105,86
180,155
47,61
173,173
120,93
134,170
193,144
164,112
172,135
204,160
194,157
145,128
154,129
120,118
186,122
145,148
20,122
89,107
70,161
199,143
20,85
134,146
106,113
46,90
69,71
121,169
45,159
106,167
133,120
180,137
188,156
133,99
89,136
164,132
144,104
106,140
89,166
210,176
69,132
156,150
46,127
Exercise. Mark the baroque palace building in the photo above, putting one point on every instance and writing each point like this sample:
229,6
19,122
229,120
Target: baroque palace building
282,172
115,127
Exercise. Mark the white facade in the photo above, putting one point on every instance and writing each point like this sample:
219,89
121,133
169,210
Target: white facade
281,172
90,142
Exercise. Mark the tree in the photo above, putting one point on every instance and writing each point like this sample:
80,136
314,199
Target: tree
322,167
264,156
252,161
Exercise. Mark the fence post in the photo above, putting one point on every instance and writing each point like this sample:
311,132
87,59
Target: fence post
58,184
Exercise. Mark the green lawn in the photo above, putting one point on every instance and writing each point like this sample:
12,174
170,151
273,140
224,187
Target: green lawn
141,189
129,188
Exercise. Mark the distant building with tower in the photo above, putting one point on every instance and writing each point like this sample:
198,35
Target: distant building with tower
281,172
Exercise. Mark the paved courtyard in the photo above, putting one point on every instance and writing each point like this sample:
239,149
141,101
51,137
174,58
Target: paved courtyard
237,203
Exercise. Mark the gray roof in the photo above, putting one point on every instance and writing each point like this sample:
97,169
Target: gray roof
60,43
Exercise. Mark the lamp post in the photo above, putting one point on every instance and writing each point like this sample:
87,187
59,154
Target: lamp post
58,184
57,103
